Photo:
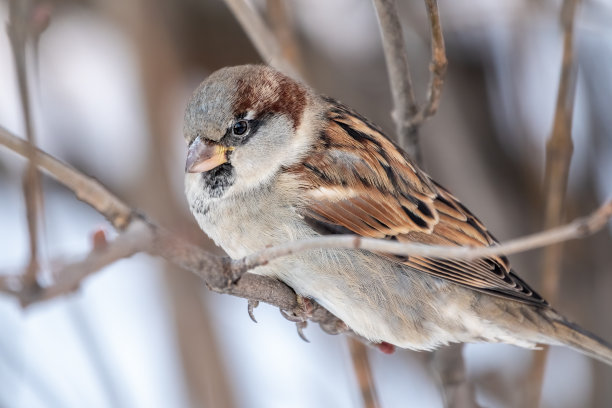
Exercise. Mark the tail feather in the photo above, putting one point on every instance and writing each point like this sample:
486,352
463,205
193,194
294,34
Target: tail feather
571,335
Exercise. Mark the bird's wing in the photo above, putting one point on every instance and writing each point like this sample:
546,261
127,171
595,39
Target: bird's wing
358,181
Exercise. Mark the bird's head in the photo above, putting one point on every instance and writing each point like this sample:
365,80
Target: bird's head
242,125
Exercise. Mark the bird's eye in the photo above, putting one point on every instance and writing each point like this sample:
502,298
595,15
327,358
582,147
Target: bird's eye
240,127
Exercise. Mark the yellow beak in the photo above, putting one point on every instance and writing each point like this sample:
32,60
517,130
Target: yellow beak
204,156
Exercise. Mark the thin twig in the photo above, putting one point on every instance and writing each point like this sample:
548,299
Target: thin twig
260,35
449,367
437,67
396,57
363,372
18,33
86,189
282,26
559,148
578,228
67,279
407,115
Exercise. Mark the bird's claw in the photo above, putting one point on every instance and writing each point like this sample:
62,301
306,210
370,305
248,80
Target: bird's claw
300,327
300,315
251,306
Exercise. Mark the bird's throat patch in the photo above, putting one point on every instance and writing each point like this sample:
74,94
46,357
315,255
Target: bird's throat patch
219,179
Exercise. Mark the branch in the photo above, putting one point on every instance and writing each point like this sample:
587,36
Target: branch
18,29
214,270
396,57
261,36
86,189
68,278
437,67
407,115
192,258
559,148
578,228
282,27
449,367
363,372
224,275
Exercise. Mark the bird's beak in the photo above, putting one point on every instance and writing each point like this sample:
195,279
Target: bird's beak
205,155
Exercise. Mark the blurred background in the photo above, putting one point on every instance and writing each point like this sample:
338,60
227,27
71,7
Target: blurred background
109,81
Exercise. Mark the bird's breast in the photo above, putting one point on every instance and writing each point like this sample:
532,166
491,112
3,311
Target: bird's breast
244,223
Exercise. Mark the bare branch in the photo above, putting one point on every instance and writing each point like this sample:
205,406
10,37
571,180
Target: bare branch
282,26
579,228
396,57
135,239
118,213
449,367
363,372
437,67
407,115
18,30
559,148
177,251
260,35
86,189
214,270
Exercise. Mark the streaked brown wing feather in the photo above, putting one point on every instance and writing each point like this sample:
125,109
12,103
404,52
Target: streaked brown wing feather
357,180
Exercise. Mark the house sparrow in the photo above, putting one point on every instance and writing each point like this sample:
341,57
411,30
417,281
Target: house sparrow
271,161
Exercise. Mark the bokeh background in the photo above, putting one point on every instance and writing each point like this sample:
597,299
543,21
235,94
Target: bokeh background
110,79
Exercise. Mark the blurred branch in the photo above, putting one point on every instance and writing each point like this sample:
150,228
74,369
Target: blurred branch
449,367
396,57
282,26
217,272
261,36
363,372
86,189
19,32
559,148
407,115
224,275
67,279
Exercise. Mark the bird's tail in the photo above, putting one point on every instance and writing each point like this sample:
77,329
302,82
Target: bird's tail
571,335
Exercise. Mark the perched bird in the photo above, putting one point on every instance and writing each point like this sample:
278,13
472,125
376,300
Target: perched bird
271,161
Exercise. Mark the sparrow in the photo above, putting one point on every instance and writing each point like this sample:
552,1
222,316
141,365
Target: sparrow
270,161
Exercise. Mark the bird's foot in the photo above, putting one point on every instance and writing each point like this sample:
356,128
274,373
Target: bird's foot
385,347
300,315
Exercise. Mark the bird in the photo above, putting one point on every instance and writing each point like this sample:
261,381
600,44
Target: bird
269,161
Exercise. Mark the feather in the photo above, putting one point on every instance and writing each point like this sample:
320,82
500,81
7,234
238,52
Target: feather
356,179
